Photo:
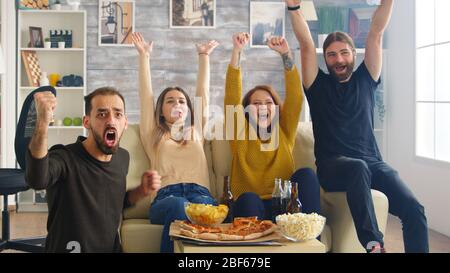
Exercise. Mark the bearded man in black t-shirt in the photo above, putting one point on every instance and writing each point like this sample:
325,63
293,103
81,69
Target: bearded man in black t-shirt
347,155
85,181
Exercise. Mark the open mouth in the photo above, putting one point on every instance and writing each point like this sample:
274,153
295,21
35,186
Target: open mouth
110,137
341,68
264,116
177,114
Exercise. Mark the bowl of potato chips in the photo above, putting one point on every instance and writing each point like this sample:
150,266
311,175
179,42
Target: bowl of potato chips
205,214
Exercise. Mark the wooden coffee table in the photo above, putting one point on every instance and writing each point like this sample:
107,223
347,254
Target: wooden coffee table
312,246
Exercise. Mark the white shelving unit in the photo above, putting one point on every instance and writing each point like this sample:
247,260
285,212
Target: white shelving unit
62,61
380,124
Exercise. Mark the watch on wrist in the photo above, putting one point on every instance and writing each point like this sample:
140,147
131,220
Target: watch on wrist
294,8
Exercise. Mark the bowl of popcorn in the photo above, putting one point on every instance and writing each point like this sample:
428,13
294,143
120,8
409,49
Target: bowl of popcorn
299,227
205,214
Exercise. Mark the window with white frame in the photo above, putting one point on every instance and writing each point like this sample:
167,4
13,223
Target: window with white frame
433,79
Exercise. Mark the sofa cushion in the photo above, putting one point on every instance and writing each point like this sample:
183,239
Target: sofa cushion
326,238
304,147
139,236
139,163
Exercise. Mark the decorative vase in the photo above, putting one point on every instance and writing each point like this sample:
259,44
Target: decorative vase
61,44
43,81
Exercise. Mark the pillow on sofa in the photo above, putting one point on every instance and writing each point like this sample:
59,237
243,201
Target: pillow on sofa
304,147
139,163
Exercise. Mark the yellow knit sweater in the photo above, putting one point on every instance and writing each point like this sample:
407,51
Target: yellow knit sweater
252,169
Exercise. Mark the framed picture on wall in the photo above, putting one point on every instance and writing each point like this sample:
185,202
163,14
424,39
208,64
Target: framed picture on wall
267,19
192,13
36,38
115,22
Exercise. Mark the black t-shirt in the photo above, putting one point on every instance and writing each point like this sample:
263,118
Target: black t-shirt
342,115
85,197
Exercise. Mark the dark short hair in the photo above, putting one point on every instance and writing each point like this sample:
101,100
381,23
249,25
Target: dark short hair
338,36
102,91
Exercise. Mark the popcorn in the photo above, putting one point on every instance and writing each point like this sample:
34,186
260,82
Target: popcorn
300,226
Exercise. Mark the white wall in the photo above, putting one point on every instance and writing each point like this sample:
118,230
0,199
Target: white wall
8,97
430,181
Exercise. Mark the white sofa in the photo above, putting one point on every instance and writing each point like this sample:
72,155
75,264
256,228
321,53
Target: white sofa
339,235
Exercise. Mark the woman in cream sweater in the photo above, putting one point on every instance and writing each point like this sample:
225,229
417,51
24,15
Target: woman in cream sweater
172,141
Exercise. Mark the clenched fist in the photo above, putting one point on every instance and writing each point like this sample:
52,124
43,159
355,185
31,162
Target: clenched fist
279,44
150,182
240,40
45,106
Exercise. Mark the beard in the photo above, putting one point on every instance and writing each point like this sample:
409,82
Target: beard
343,76
101,145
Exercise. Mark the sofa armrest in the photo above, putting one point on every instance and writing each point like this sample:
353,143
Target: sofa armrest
139,236
336,210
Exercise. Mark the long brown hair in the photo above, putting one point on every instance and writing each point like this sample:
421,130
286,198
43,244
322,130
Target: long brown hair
161,129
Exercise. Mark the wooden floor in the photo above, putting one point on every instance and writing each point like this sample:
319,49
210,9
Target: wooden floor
34,224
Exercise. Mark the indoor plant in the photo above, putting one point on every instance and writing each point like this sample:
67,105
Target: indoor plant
47,43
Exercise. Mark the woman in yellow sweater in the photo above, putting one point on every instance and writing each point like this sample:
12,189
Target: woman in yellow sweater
262,147
172,142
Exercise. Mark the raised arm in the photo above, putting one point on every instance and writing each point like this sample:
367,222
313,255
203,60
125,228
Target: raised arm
310,68
39,174
203,77
233,84
374,44
293,102
240,40
45,105
147,119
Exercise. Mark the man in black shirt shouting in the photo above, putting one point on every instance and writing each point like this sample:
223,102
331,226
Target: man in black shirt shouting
86,180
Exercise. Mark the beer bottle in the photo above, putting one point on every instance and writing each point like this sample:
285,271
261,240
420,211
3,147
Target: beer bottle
276,199
286,196
294,203
227,198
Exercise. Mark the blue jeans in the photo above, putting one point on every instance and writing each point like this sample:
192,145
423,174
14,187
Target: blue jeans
168,206
250,204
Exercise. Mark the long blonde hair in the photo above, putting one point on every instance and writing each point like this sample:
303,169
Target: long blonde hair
161,129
